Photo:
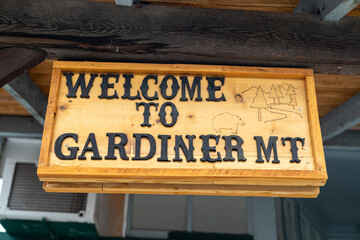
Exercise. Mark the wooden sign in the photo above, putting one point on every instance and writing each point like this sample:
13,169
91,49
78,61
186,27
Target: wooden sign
209,126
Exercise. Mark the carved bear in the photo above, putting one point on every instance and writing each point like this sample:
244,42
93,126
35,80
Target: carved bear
227,121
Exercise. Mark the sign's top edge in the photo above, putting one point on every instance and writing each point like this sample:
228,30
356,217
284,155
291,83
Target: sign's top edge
296,73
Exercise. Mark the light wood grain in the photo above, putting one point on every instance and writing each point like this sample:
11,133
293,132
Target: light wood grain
252,5
164,173
189,69
73,187
243,181
102,116
41,75
186,189
331,90
9,106
315,125
82,116
50,118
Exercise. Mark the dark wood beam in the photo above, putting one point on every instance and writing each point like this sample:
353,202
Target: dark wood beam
329,10
97,31
20,127
24,90
342,118
15,61
348,139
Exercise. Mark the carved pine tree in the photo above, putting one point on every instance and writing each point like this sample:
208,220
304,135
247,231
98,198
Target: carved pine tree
293,101
259,102
279,93
291,91
272,94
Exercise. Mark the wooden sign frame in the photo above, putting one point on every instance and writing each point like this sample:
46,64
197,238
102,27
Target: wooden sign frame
316,177
185,189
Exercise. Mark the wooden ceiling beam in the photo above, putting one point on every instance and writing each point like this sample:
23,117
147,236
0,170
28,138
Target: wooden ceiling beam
254,5
163,34
24,90
348,139
15,61
11,126
345,116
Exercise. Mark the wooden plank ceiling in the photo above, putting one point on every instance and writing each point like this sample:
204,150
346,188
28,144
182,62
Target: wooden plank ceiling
331,90
250,5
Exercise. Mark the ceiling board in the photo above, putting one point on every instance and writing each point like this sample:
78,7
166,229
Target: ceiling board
331,90
251,5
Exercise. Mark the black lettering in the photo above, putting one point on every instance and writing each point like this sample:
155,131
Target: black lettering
188,151
174,87
120,146
206,149
80,82
174,114
212,88
105,85
164,148
237,147
294,149
152,150
127,88
186,85
91,139
145,87
267,151
146,111
58,146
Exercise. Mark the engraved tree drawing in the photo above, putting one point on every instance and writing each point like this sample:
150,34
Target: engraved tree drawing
293,102
291,92
279,93
273,94
259,102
